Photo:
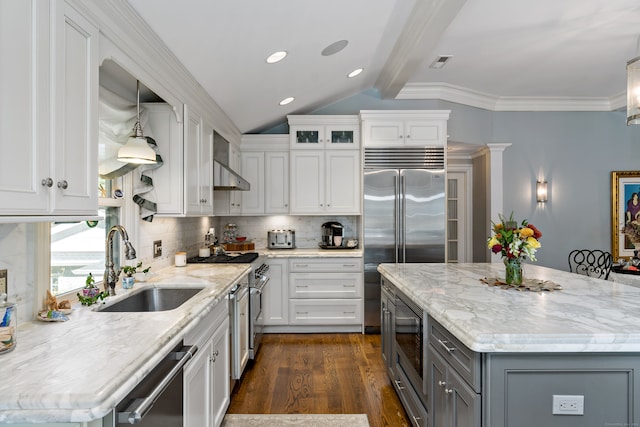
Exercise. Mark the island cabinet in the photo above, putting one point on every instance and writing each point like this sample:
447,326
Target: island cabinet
49,128
326,292
207,377
453,380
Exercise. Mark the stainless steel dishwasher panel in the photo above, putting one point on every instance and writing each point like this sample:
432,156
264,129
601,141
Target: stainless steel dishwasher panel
158,400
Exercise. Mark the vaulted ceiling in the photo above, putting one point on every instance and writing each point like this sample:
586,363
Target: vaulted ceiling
506,55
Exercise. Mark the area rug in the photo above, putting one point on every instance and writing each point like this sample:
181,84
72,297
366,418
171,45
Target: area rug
306,420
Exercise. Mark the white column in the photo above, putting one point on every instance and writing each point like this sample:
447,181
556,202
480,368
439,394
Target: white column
495,186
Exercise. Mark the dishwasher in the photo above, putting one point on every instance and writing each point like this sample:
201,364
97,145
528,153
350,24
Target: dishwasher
158,399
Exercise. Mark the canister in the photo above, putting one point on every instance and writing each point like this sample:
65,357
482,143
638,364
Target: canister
181,259
8,325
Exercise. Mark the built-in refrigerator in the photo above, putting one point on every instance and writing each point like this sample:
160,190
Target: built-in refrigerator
404,214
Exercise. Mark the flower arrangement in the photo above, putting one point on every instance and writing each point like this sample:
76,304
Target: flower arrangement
513,240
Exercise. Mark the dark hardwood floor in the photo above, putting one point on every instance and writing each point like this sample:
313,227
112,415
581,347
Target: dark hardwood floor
319,374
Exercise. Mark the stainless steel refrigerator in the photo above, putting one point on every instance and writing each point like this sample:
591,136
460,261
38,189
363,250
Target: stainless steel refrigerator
404,214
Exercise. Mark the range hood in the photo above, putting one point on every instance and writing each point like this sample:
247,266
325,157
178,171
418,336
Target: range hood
225,178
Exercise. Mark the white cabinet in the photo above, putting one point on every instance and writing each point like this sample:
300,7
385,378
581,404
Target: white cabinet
206,377
198,165
325,182
229,202
275,299
168,182
404,128
320,132
49,134
326,291
265,164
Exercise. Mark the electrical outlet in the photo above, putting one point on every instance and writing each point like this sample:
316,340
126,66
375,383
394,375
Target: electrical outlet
3,281
157,248
568,405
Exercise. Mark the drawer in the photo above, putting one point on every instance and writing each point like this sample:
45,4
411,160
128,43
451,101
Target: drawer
325,285
208,324
325,312
462,359
321,265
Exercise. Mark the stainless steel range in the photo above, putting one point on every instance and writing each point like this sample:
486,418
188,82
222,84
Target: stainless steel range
258,279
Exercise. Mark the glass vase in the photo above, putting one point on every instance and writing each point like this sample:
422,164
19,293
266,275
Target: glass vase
513,271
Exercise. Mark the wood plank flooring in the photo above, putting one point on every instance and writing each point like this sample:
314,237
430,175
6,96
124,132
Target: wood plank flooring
319,374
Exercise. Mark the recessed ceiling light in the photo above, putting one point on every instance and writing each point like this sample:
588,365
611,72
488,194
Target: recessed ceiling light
355,72
334,48
276,57
287,100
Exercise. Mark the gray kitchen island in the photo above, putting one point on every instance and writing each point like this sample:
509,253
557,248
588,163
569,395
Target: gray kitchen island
482,355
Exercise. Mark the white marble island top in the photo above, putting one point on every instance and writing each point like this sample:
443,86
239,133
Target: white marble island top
80,369
587,315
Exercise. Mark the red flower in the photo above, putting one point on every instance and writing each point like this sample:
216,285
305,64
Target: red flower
496,248
536,233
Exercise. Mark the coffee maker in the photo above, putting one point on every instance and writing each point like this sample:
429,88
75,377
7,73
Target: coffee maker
332,232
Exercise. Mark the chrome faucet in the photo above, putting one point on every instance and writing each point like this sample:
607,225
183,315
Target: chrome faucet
110,276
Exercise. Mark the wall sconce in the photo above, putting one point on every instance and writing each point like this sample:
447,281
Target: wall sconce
541,191
633,91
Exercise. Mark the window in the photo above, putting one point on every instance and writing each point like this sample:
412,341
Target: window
78,248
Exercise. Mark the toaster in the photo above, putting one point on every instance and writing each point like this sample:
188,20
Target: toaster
281,239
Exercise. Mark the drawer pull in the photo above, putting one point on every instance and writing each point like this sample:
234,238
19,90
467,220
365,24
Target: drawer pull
349,286
302,265
348,265
444,344
302,286
399,384
349,312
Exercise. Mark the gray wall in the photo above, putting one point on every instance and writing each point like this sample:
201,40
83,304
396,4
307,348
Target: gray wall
574,151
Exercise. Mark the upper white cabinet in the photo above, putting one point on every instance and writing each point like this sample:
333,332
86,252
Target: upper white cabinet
168,188
198,164
404,127
320,132
326,180
265,164
49,135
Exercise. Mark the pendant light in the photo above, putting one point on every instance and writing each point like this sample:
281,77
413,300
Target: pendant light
136,150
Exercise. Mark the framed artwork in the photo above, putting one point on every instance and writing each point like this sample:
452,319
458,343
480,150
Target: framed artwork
625,213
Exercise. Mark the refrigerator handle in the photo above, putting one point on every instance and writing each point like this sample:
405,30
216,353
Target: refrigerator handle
403,229
396,214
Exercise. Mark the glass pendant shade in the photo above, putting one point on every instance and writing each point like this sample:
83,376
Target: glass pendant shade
136,150
633,91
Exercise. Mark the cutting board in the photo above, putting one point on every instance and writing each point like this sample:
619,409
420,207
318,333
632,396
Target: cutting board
244,246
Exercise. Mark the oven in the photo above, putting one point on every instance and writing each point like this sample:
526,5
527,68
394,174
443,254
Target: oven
409,361
259,279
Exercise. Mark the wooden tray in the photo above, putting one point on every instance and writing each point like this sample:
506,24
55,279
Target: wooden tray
244,246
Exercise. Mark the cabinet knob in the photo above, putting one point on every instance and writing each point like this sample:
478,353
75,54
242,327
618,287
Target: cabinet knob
408,136
442,383
47,182
63,184
448,391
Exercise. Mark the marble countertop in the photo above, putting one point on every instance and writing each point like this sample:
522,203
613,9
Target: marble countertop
587,315
80,369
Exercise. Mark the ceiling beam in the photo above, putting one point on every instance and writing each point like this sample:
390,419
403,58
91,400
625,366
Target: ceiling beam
428,21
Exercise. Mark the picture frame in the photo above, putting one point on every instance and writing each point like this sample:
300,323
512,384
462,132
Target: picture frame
624,184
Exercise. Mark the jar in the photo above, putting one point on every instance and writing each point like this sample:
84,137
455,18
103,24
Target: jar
230,233
8,325
181,259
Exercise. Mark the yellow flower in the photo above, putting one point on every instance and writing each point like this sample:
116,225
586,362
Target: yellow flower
526,232
492,242
531,241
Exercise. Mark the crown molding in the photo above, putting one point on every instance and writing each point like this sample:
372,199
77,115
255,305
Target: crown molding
473,98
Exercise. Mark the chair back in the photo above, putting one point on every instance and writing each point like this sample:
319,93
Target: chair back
593,263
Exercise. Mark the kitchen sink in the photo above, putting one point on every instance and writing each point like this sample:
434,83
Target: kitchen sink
152,299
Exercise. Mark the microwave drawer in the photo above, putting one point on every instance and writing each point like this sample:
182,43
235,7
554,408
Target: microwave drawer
465,361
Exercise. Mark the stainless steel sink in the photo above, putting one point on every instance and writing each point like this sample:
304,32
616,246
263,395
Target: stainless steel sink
153,299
